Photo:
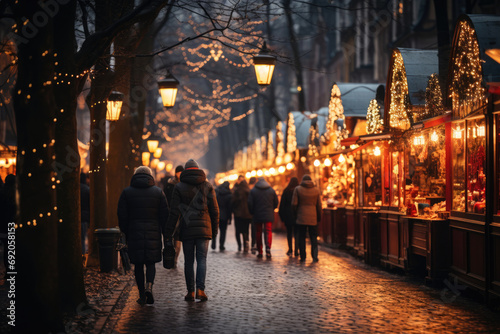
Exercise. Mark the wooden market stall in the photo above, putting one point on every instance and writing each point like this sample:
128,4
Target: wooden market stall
475,219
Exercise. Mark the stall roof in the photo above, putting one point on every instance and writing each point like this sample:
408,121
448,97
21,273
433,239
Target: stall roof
303,123
419,65
356,97
487,28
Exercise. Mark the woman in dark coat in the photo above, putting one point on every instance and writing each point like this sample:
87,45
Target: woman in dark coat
142,213
242,217
224,200
287,217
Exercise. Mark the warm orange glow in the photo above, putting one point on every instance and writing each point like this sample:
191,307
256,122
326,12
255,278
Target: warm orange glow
152,145
157,153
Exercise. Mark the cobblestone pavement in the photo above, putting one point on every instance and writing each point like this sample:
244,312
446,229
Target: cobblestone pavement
339,294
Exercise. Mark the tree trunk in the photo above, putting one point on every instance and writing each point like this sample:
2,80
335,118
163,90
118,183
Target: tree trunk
296,56
37,297
72,290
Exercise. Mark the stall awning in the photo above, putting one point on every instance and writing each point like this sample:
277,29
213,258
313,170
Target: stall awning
375,136
349,141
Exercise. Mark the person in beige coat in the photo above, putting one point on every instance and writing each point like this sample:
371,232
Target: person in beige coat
306,204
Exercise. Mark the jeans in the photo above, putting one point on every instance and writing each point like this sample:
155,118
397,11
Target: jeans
313,236
267,228
199,247
292,232
241,225
139,274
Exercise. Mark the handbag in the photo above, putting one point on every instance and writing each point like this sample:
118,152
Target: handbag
168,255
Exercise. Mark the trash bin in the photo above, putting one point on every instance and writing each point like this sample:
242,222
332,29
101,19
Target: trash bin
107,239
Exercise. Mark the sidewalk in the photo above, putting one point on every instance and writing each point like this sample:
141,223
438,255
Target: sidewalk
337,295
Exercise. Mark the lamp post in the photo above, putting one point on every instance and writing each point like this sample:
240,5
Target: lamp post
264,66
114,108
168,90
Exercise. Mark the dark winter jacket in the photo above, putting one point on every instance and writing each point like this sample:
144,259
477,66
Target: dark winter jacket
285,210
239,200
142,212
169,189
224,200
85,202
262,202
194,205
8,203
306,202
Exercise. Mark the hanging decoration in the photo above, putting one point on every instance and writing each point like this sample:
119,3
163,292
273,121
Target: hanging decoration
291,139
466,90
374,121
399,108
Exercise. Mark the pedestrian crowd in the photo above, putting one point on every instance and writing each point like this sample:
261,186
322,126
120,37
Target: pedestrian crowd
193,213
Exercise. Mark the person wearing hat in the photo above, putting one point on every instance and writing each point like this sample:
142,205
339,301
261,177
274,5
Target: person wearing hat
169,190
306,204
194,206
142,213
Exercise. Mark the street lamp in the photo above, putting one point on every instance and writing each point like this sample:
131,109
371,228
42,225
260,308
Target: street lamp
115,102
157,152
494,54
264,66
168,90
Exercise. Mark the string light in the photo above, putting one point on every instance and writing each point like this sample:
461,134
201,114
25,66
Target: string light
335,133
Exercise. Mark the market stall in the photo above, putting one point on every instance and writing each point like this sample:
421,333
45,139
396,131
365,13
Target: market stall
474,219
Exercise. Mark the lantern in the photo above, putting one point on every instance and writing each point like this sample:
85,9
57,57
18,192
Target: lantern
145,158
168,90
264,66
152,145
115,102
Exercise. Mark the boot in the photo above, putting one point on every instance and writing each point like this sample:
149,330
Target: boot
142,298
189,297
200,294
149,293
245,248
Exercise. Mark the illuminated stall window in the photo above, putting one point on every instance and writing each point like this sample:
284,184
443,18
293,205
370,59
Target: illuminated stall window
426,170
397,178
371,177
497,145
469,158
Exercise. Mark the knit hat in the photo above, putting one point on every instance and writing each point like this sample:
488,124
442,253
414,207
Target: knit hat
253,180
179,169
191,163
143,170
306,178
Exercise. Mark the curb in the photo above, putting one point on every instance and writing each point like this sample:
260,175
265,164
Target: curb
108,308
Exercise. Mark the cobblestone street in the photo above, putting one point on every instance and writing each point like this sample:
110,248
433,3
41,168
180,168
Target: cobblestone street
339,294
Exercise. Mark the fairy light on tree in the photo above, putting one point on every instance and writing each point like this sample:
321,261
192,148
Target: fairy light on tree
271,154
313,138
280,145
466,89
335,133
433,98
374,121
399,106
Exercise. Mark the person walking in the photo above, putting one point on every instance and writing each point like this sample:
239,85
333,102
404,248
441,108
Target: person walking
223,194
242,217
251,184
261,204
169,191
287,216
84,210
194,205
142,213
306,203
